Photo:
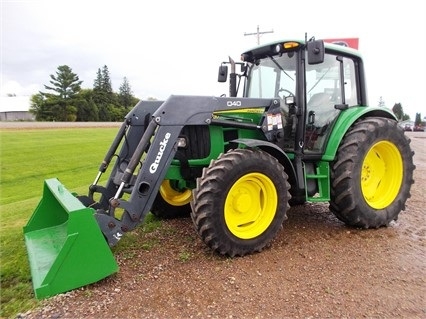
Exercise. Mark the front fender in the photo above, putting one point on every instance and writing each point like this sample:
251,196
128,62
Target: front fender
274,151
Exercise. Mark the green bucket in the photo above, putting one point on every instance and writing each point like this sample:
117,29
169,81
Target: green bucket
66,248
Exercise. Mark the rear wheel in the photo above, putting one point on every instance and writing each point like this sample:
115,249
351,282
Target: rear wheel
240,202
372,174
171,202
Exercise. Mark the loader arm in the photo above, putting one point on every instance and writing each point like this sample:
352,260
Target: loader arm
159,143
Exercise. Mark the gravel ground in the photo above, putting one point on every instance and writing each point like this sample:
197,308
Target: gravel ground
315,268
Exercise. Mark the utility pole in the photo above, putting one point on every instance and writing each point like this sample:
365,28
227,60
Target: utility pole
258,33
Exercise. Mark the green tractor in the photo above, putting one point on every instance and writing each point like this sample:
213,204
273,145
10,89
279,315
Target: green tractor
301,132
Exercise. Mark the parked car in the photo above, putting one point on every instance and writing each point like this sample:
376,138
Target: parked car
418,128
407,127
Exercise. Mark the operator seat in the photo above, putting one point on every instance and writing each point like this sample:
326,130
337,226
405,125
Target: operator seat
319,99
321,112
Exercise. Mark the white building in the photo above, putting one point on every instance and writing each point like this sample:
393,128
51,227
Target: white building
15,108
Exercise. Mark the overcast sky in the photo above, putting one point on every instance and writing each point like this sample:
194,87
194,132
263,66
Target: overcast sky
175,47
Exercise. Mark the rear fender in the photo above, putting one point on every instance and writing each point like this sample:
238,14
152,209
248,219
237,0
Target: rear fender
345,120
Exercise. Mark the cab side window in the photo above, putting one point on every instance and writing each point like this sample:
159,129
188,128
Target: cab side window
325,89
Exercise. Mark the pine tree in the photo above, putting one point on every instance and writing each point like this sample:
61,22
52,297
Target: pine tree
418,119
381,102
398,111
87,108
102,89
60,105
125,94
97,84
38,107
99,96
66,83
105,100
106,80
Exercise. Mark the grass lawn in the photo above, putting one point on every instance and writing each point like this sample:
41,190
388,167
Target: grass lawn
27,158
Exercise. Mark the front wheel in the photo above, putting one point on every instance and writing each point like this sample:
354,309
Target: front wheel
240,202
171,202
372,174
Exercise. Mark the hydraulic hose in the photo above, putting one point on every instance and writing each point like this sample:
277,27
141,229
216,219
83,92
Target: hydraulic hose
113,147
136,157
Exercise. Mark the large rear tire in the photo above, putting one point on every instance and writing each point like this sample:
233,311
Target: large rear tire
240,202
372,174
171,202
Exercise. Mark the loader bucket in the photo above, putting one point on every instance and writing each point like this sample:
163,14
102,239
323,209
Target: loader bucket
66,248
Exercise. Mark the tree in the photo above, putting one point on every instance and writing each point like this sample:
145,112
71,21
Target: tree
106,80
61,105
381,102
97,84
125,95
397,110
418,119
106,113
100,97
38,107
87,109
103,95
66,83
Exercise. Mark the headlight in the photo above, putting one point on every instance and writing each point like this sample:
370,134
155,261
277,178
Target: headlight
181,142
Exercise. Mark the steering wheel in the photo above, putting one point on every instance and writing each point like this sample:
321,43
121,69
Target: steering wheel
287,91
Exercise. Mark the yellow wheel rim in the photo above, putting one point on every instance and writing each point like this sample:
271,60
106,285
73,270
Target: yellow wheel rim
174,197
250,205
382,174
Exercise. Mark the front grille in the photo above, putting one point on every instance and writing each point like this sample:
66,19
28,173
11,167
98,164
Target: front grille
198,141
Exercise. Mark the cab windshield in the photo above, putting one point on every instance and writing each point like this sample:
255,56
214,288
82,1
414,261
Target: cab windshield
330,87
272,77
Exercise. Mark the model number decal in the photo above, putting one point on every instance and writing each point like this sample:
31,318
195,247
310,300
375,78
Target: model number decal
153,167
233,103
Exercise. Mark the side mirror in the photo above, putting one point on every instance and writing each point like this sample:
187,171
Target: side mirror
315,51
223,73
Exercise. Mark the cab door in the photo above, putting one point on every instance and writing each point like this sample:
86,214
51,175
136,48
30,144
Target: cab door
330,87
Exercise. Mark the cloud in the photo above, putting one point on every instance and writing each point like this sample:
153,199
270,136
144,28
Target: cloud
15,88
175,47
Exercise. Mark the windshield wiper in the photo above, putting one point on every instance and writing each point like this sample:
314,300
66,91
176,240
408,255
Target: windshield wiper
276,63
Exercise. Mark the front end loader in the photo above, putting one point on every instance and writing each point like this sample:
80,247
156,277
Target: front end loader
301,132
68,237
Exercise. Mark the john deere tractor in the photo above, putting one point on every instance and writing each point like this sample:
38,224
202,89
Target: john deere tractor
295,128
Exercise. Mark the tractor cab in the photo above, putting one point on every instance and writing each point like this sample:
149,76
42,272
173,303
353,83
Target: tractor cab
314,82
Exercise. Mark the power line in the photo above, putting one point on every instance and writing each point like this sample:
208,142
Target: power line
258,33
